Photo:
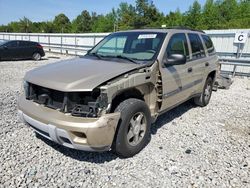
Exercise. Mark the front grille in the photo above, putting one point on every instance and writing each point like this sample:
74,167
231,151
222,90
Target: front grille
77,103
48,97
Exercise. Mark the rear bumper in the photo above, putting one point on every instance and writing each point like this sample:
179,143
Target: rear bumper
88,134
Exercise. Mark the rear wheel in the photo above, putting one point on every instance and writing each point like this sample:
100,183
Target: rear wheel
205,97
133,132
36,56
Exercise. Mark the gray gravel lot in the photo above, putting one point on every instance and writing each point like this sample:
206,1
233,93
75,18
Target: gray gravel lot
190,146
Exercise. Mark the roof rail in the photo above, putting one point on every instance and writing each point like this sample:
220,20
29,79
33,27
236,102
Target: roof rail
175,27
186,28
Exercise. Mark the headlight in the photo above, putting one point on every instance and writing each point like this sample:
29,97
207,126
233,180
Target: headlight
26,88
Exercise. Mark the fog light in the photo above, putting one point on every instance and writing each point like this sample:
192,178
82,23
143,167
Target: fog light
79,134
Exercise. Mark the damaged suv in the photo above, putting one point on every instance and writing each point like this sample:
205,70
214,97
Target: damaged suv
109,98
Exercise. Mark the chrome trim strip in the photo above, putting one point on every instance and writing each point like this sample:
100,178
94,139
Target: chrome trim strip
180,89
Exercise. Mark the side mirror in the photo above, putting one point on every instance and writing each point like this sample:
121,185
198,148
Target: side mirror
176,59
5,47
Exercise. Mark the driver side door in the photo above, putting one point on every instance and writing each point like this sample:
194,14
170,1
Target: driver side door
176,79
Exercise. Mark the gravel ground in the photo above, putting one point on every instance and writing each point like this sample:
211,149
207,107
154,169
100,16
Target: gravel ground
190,146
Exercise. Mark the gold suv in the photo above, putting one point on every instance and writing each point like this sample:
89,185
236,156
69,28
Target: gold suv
109,98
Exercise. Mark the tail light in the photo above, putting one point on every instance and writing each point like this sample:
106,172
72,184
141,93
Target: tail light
39,46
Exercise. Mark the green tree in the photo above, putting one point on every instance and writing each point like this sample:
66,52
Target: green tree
210,17
47,27
147,14
215,14
125,16
174,19
13,27
25,25
193,16
105,23
82,24
62,24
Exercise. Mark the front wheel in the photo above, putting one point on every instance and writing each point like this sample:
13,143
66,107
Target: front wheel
36,56
206,94
133,132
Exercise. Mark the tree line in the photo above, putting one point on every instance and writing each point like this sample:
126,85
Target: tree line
219,14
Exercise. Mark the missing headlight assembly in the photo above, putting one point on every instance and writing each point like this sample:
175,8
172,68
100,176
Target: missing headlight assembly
80,104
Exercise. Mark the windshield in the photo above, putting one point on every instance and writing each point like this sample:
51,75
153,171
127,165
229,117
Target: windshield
133,46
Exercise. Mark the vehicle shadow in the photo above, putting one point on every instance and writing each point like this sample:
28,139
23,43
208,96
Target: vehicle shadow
21,60
53,57
169,116
92,157
95,157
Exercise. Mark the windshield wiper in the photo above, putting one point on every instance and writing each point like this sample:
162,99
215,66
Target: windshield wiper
127,58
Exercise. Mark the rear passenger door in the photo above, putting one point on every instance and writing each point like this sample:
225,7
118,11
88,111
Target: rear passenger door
25,49
176,79
212,59
197,62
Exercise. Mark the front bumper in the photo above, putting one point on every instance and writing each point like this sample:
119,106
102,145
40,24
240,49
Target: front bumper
88,134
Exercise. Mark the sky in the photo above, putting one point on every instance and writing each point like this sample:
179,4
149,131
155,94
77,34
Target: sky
45,10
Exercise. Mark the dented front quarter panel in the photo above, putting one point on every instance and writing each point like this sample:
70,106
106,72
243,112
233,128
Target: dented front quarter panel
143,80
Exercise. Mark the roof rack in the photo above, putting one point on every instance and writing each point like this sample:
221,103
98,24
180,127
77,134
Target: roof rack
184,27
177,27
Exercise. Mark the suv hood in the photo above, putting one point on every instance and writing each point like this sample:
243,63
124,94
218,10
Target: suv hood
79,74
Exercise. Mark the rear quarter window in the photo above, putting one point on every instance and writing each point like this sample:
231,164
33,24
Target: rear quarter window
196,46
209,44
25,44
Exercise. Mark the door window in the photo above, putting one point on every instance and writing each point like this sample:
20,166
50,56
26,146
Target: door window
178,45
196,46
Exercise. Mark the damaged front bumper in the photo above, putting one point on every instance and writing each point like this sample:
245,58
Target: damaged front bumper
88,134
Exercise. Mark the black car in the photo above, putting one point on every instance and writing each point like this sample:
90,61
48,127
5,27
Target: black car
16,49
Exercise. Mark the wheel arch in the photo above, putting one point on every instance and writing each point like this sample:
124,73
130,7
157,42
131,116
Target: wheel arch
212,75
126,94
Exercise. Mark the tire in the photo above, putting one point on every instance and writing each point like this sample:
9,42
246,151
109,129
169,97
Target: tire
36,56
206,94
133,131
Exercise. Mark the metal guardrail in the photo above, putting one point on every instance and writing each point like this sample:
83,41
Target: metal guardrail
66,48
58,42
232,54
235,63
79,44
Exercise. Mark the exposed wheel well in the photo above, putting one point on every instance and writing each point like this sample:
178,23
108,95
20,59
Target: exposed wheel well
212,75
129,93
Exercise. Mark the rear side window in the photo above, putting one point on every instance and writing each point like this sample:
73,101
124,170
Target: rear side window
209,44
196,46
178,45
12,44
24,44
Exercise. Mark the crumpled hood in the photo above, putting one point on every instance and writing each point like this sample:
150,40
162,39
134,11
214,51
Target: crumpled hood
79,74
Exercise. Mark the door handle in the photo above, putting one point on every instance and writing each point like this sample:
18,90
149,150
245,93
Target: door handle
206,64
190,69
